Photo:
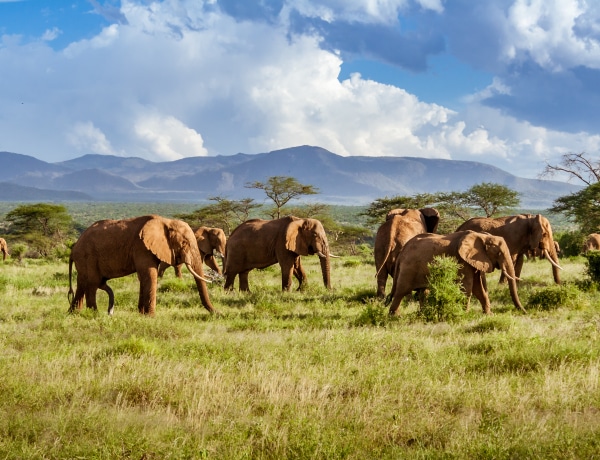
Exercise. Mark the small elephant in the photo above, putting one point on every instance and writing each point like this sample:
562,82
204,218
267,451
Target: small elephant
4,248
261,243
114,248
522,232
478,253
400,226
211,242
592,243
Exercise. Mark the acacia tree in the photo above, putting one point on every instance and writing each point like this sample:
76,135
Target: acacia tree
224,213
42,226
575,165
379,208
582,206
282,189
491,198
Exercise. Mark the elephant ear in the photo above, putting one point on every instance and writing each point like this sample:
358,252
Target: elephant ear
154,235
295,240
432,219
472,249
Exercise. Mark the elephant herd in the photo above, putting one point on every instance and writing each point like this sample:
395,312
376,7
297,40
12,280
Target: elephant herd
404,246
147,245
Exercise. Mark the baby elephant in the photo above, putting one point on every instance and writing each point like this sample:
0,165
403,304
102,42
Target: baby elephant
478,253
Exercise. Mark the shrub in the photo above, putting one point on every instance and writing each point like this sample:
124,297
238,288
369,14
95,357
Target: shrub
445,300
552,297
593,265
372,315
570,243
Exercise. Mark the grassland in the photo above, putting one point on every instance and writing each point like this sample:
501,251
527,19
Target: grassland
311,374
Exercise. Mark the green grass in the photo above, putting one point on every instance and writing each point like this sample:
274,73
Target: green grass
310,374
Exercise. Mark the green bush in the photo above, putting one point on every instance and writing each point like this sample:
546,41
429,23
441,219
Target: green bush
593,265
570,243
552,297
445,300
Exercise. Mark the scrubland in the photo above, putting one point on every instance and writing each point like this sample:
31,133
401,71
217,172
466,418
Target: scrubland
312,374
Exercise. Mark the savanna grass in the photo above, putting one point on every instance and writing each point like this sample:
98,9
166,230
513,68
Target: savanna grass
305,374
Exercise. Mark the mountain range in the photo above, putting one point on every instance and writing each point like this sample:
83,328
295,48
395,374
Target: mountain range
355,180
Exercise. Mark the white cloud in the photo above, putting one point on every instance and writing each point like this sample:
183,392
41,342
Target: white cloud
167,138
546,31
51,34
87,138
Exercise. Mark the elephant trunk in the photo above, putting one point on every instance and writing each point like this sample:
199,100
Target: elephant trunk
202,288
512,284
325,269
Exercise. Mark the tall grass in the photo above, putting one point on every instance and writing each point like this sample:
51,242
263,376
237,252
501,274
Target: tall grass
308,374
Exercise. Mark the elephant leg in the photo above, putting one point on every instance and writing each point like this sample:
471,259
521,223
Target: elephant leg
229,280
287,269
479,288
90,297
111,297
244,286
382,276
77,302
147,298
211,262
178,271
299,273
518,265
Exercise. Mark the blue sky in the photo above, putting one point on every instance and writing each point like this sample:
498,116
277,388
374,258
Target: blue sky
513,83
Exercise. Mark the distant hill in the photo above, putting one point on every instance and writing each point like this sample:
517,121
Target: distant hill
355,180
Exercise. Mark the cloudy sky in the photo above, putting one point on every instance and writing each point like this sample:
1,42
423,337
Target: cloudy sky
513,83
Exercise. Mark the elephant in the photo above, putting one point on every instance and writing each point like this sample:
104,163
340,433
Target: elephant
592,243
115,248
259,243
400,226
4,248
211,242
522,233
477,252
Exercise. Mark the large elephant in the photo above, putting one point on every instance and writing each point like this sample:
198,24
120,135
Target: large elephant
592,243
522,233
4,248
211,242
260,243
400,226
114,248
478,254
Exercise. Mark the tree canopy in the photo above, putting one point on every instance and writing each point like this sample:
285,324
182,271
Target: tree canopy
43,226
583,207
282,189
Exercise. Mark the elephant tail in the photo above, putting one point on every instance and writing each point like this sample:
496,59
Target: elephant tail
384,261
70,294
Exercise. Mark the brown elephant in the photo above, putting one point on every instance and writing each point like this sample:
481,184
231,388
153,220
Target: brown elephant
211,242
400,226
478,253
261,243
522,233
592,243
114,248
4,248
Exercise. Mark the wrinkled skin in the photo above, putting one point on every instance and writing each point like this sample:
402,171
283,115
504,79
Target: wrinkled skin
4,248
114,248
399,227
522,233
211,242
261,243
592,243
478,254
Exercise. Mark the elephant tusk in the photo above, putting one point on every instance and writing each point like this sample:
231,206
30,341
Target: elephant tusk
333,256
550,260
196,275
516,278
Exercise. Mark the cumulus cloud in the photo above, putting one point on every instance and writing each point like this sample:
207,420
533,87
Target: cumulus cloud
183,78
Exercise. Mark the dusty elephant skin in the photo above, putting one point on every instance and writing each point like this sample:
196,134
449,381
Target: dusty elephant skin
211,242
592,243
478,254
522,233
4,248
114,248
261,243
400,226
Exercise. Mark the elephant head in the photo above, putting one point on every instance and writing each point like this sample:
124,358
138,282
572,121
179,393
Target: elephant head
540,237
307,237
211,242
430,217
485,253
